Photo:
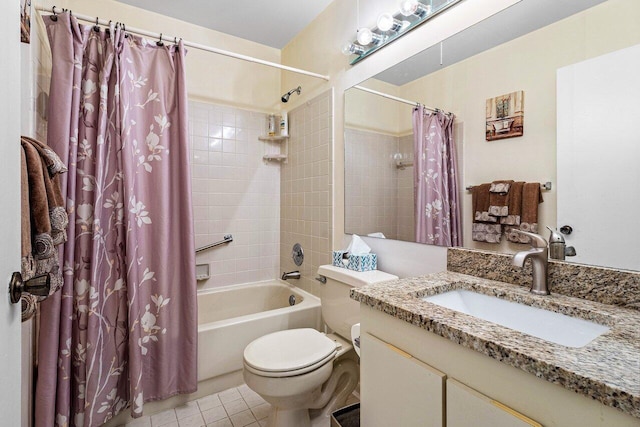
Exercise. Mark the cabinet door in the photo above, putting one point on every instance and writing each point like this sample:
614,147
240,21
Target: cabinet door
397,389
467,407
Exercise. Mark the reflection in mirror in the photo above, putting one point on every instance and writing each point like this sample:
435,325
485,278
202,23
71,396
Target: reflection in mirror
478,64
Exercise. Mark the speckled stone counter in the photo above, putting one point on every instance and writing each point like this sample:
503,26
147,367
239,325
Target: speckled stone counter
600,284
607,369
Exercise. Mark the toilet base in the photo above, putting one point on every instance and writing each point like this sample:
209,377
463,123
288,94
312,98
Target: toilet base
289,417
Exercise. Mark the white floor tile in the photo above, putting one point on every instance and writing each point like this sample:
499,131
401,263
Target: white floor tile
187,410
222,423
229,395
214,414
254,400
209,402
261,411
235,406
242,419
192,421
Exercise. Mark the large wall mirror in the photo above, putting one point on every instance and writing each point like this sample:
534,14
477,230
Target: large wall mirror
520,49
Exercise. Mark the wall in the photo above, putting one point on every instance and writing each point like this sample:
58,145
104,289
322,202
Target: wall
210,77
234,192
305,188
524,64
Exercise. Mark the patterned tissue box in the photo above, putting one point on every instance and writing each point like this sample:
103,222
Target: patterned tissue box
364,262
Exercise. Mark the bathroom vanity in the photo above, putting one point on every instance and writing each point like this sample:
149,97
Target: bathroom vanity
426,365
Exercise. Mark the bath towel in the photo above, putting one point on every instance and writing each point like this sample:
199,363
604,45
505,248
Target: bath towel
531,198
515,204
480,204
44,219
499,198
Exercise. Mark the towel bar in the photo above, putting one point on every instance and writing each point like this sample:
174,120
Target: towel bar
546,186
228,238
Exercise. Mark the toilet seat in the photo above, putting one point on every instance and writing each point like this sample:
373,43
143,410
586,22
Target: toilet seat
289,353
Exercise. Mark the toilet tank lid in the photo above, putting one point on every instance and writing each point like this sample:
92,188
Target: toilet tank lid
355,278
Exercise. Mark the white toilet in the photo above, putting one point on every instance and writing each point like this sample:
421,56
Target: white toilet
304,374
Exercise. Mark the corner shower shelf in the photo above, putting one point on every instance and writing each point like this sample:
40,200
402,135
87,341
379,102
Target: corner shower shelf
276,157
276,138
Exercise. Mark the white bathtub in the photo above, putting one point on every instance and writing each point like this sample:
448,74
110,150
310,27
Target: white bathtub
231,317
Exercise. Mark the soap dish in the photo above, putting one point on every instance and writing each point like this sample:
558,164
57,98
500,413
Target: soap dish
202,272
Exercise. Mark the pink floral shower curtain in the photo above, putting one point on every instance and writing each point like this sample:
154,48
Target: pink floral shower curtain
435,172
122,331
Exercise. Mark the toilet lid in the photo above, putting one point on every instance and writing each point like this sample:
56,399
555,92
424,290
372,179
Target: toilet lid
289,350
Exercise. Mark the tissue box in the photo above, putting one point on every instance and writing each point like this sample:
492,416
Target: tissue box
364,262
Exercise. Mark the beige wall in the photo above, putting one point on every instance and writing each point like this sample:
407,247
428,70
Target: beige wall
370,112
305,189
528,64
210,77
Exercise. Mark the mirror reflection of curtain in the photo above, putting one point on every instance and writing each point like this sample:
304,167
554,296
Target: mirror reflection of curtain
437,208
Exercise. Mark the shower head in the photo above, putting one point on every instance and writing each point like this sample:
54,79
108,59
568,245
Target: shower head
285,97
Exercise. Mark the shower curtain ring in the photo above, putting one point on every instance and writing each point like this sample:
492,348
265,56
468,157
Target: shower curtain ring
159,42
53,10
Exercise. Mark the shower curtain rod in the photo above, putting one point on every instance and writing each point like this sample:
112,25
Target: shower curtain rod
163,36
395,98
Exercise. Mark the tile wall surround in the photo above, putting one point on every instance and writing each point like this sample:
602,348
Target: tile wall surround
599,284
381,195
234,192
306,190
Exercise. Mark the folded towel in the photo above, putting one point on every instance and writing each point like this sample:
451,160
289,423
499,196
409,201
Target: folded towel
515,205
531,198
28,268
480,204
499,198
490,233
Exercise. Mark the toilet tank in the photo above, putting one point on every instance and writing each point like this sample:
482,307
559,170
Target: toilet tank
339,311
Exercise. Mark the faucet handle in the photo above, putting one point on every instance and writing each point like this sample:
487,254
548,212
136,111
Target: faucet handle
537,241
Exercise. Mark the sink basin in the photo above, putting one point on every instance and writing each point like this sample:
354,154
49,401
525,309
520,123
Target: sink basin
547,325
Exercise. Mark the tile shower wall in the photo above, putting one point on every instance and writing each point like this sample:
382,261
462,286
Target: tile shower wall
306,190
381,195
234,192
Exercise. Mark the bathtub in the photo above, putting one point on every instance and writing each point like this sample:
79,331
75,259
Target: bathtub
231,317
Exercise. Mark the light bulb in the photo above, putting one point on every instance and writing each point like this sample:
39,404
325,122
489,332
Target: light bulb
413,7
351,48
387,22
366,36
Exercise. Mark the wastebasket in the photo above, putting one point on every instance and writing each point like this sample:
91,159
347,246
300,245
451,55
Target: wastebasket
349,416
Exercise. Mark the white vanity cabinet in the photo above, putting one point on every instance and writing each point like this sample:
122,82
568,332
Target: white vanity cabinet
406,371
397,389
467,407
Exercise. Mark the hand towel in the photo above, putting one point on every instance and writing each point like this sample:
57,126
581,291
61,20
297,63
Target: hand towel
531,198
54,164
28,267
499,198
489,233
480,204
515,204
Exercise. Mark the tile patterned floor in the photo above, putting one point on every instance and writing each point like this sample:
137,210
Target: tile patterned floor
236,407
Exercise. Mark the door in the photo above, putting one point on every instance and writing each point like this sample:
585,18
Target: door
9,212
598,151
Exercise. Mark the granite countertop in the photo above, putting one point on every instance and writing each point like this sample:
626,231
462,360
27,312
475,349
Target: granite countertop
607,369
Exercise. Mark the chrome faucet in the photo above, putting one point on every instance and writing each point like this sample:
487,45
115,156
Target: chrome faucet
539,255
291,275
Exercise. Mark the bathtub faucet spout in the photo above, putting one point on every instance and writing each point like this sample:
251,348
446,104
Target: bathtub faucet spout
291,275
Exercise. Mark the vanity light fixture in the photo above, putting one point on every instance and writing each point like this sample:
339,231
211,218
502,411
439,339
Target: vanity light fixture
392,26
